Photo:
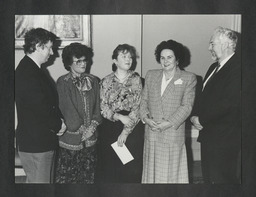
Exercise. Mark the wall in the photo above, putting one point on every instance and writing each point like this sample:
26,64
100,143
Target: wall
145,32
107,32
193,31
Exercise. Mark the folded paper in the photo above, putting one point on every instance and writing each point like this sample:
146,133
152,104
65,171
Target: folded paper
123,153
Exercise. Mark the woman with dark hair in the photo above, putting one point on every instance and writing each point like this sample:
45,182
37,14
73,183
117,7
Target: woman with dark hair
166,103
120,98
79,102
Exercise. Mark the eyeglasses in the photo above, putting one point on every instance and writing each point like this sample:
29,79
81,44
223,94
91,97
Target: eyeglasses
80,62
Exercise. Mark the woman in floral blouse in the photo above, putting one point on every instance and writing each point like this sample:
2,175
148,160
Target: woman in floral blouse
79,102
120,99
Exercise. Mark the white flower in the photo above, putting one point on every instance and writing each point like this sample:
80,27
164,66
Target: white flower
178,82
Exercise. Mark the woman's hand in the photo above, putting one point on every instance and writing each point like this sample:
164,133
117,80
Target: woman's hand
162,125
86,135
88,132
152,124
126,120
122,138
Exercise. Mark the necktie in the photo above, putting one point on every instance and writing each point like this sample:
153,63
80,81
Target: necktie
213,74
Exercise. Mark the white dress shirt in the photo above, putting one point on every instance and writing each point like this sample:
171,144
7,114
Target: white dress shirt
222,63
164,83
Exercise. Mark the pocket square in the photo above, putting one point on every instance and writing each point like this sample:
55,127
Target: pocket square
178,82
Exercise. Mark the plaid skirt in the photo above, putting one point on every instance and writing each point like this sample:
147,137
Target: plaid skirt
164,163
76,166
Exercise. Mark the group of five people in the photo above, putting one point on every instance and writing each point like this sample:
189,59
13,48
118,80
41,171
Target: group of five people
67,138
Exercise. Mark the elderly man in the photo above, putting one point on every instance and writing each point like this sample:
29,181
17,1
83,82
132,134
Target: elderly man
37,108
218,113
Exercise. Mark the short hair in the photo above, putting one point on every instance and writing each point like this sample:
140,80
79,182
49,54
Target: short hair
227,35
176,47
125,48
76,50
37,36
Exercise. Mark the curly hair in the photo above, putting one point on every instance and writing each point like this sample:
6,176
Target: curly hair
176,47
227,35
125,48
76,50
37,36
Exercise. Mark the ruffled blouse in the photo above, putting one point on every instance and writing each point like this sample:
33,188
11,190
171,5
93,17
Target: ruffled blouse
116,96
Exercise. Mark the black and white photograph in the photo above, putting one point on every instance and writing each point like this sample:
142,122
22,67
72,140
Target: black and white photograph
117,103
127,106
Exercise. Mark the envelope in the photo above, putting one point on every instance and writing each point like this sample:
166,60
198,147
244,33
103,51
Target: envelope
123,153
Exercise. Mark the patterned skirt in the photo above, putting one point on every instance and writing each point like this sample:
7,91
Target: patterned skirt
76,166
164,163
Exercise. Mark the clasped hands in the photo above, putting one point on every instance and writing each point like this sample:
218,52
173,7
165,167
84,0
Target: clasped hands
87,132
158,126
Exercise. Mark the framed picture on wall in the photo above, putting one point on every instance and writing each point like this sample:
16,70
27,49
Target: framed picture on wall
68,28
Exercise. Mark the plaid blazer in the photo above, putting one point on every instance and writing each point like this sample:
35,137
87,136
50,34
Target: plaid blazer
174,105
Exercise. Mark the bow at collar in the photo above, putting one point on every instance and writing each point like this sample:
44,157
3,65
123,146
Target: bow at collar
83,83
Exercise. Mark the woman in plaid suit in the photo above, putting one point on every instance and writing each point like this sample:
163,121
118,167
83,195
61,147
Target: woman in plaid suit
167,101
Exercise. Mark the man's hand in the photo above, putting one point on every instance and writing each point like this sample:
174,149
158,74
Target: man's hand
63,129
196,123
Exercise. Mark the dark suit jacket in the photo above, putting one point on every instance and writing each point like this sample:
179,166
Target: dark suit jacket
219,106
37,109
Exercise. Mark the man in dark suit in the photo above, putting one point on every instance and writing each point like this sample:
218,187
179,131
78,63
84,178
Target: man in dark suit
218,113
37,108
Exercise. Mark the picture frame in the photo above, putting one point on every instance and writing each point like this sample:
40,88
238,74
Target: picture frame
68,28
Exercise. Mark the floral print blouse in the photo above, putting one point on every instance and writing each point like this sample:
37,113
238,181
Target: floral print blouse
116,96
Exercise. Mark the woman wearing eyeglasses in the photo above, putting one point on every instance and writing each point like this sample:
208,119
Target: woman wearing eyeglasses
120,98
79,102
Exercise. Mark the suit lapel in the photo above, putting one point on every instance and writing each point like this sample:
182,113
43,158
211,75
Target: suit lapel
158,83
221,74
210,70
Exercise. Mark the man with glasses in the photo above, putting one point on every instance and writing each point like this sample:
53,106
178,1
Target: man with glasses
218,113
37,108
